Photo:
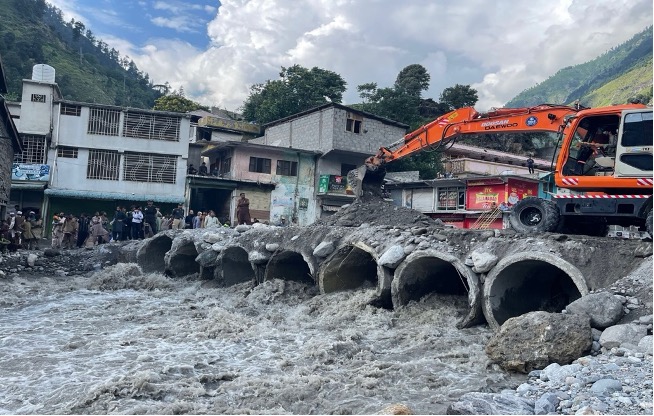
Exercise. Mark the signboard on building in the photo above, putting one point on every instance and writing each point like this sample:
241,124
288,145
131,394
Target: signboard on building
30,172
334,184
228,124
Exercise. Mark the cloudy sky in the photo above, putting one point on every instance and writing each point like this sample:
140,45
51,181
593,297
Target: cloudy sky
217,49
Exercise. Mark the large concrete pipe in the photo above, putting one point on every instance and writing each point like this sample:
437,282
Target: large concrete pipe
289,265
233,267
180,260
353,266
527,282
429,271
150,256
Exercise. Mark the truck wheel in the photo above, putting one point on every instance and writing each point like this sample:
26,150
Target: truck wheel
534,215
648,223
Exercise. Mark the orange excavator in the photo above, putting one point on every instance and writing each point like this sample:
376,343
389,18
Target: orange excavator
602,162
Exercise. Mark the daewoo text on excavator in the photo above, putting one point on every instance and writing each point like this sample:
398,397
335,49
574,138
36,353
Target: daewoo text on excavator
603,158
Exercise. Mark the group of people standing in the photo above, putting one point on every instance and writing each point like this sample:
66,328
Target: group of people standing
21,231
135,223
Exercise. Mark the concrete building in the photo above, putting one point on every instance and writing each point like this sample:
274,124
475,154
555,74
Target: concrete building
83,157
343,136
10,144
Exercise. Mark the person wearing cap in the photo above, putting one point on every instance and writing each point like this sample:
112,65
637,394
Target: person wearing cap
178,217
282,221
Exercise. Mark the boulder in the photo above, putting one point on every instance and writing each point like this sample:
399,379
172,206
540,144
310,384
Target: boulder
483,261
603,309
241,228
31,259
491,404
392,257
645,345
51,252
272,247
616,335
207,258
324,249
537,339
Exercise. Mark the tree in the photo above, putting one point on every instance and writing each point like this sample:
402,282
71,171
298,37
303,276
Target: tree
177,103
412,80
298,89
459,96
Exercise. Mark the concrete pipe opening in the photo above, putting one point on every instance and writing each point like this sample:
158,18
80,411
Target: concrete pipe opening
182,261
234,267
289,265
151,255
528,282
427,272
350,267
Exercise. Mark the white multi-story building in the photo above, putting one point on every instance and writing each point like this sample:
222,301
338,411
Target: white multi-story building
93,157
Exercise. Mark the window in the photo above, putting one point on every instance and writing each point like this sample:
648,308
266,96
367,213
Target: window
34,150
286,168
346,168
103,164
258,164
226,166
354,122
451,199
103,121
151,126
145,167
70,152
38,98
637,129
70,110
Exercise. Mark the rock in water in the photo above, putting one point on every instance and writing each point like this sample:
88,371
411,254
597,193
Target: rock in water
536,339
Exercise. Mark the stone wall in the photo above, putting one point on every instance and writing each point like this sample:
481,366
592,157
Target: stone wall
6,161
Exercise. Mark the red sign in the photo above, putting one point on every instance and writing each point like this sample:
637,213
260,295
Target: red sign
518,190
482,197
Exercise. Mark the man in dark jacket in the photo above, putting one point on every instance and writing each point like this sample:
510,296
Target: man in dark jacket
188,221
150,216
82,230
178,217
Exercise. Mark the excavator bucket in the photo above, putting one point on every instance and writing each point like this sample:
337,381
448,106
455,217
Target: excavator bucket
365,180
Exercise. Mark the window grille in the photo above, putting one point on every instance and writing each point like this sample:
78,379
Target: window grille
260,165
103,164
151,126
144,167
70,152
71,110
286,168
103,121
34,150
38,98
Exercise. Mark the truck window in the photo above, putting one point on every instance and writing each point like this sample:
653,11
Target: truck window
637,129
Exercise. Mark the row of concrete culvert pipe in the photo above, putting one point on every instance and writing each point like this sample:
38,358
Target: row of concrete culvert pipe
526,275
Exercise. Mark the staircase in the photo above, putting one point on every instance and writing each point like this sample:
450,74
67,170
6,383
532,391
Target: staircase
486,219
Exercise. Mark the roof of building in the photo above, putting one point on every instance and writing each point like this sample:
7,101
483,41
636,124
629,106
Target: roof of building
216,146
340,106
480,153
85,194
9,126
125,109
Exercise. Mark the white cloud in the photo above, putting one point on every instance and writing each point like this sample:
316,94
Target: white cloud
500,48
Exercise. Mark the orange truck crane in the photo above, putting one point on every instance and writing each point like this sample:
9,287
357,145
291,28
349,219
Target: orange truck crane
602,162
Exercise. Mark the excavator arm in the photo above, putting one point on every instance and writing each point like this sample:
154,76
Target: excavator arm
443,130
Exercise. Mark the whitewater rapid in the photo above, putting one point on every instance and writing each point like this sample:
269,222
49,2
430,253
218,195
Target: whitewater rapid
122,342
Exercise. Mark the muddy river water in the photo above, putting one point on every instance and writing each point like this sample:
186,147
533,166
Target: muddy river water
120,342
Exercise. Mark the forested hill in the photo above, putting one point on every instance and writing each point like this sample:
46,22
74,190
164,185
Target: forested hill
87,69
615,77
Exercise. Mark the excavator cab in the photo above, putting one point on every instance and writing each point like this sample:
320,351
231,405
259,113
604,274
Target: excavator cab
590,149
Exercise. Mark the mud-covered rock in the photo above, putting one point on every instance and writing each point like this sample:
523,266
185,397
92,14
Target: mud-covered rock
536,339
602,308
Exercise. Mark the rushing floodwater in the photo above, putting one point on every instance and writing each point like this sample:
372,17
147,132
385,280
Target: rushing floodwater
119,342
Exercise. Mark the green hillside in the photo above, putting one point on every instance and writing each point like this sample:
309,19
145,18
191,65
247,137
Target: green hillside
34,32
617,76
